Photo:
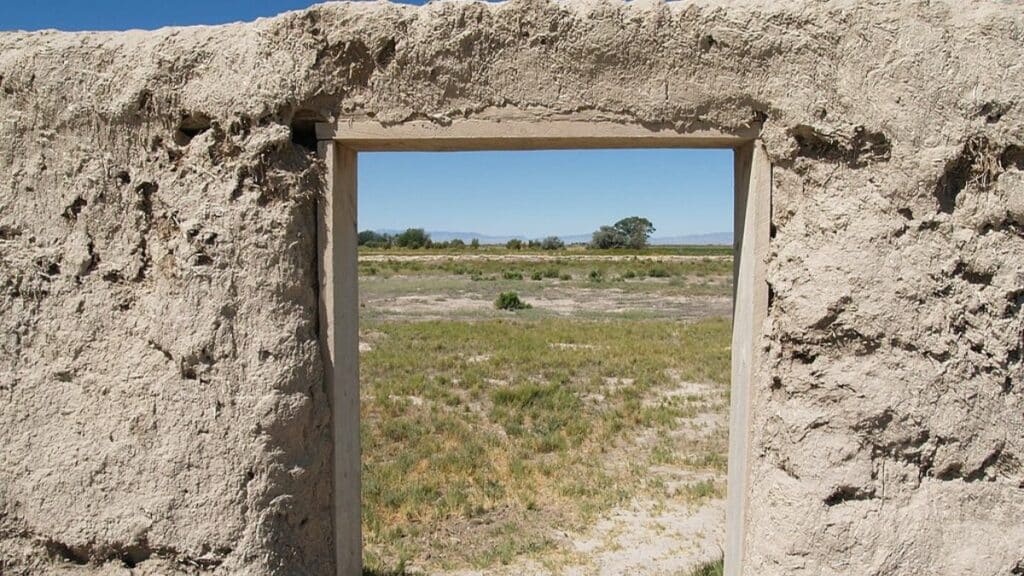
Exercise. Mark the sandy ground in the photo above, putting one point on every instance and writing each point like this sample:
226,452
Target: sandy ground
644,538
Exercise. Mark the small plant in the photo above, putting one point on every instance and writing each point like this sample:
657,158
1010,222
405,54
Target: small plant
510,301
551,273
596,276
709,568
537,276
512,275
658,272
629,275
565,277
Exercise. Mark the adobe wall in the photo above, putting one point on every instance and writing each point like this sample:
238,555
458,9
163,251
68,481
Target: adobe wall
161,397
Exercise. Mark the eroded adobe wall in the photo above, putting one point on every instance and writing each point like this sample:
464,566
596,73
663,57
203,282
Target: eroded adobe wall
160,396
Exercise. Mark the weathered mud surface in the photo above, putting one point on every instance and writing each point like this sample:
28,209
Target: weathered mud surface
160,397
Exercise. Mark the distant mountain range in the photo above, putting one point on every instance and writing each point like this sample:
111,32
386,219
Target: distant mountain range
716,238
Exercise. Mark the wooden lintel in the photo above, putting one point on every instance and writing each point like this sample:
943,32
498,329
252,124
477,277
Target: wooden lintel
472,134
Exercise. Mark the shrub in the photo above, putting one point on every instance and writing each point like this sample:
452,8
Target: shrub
658,272
536,276
551,273
510,301
552,243
710,568
457,244
514,244
565,277
512,275
629,274
596,276
474,243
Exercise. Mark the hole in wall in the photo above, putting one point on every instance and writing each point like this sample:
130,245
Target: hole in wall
1012,157
191,126
385,53
72,210
303,127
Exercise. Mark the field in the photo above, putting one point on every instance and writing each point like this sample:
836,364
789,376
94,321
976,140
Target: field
584,434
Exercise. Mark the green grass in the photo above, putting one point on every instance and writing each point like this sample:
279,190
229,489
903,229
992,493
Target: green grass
710,568
507,422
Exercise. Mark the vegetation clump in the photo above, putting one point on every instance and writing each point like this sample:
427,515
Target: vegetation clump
633,232
552,243
510,301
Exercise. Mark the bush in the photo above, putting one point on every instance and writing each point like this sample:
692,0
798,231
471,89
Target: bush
536,276
658,272
629,274
596,276
552,243
474,243
565,277
510,301
514,244
457,244
551,273
710,568
512,275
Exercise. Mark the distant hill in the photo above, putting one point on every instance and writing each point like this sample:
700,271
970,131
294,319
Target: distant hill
716,238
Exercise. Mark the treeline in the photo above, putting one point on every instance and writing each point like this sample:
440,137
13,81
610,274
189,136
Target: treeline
415,238
633,232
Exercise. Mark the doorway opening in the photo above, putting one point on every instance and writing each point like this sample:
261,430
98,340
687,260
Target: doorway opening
518,395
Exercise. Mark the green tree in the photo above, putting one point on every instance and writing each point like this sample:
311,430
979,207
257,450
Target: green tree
637,231
474,243
514,244
372,239
608,237
633,232
369,236
413,238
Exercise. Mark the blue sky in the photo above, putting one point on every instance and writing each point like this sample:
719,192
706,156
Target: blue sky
547,192
495,193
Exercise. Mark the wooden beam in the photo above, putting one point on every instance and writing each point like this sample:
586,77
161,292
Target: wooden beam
339,333
497,134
